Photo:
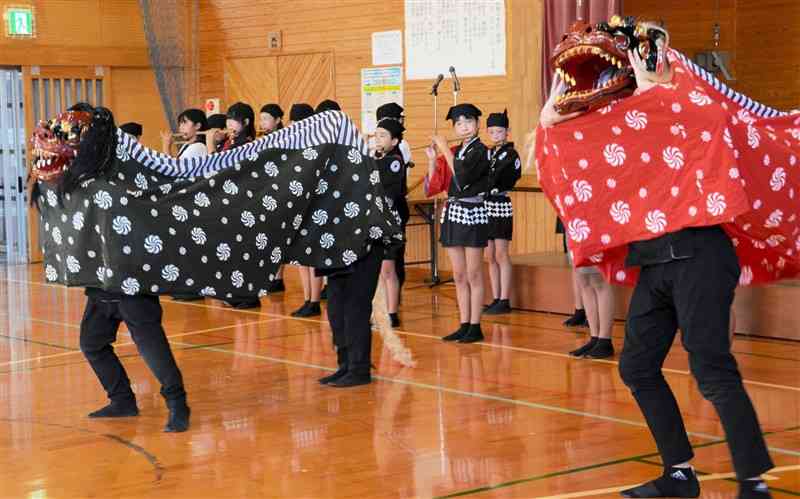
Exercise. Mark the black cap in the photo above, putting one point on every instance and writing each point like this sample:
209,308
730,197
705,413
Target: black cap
217,121
327,105
300,111
132,128
273,110
392,126
390,110
498,119
468,110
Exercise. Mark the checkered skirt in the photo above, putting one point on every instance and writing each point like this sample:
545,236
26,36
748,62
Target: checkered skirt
501,217
464,224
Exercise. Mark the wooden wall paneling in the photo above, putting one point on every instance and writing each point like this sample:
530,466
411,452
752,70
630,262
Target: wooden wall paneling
305,78
252,80
136,98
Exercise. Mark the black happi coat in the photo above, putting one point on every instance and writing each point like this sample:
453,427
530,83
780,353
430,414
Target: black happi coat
471,165
220,225
505,168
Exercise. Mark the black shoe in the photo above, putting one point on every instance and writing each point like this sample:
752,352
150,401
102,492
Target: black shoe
117,410
188,297
244,303
276,286
675,482
578,319
323,295
178,420
395,320
458,333
603,349
580,352
351,379
333,377
753,489
499,308
311,309
473,335
302,308
494,302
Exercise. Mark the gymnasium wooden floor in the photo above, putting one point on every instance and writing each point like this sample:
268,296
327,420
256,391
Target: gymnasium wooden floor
511,417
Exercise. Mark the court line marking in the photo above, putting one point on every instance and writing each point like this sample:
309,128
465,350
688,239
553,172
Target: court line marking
478,395
421,335
703,478
129,343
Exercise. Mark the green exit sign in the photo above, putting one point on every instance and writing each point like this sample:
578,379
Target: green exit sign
20,22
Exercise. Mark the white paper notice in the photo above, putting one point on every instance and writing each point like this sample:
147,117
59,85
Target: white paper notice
467,34
387,48
379,86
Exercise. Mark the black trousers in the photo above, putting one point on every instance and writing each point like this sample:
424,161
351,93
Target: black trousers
694,294
142,315
350,295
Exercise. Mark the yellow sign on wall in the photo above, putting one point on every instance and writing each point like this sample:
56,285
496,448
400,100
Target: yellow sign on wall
20,21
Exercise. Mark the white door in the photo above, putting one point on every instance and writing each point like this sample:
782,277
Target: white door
13,202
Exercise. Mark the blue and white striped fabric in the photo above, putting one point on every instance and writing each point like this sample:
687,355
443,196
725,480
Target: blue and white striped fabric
330,127
739,98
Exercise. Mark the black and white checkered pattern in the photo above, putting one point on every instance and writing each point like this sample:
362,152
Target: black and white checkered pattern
468,214
499,208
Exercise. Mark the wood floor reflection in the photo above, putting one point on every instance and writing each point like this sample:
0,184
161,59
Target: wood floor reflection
510,417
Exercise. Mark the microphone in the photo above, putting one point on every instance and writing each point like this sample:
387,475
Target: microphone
435,89
456,83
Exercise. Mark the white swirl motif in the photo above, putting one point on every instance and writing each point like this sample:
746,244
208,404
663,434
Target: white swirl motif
620,212
375,232
349,256
726,136
153,244
746,277
103,200
165,188
271,169
699,98
198,236
320,217
374,177
614,154
753,137
297,222
223,251
354,157
170,273
636,119
705,136
121,225
655,221
252,156
326,240
775,240
201,199
578,230
673,157
248,219
73,265
230,188
50,273
208,291
141,182
322,186
180,213
56,233
778,179
52,199
774,219
269,203
130,286
275,257
310,154
351,209
122,153
237,279
583,190
715,204
261,241
101,274
296,188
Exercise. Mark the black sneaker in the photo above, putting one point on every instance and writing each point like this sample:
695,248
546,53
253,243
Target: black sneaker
603,349
578,319
302,308
580,352
117,410
753,489
312,309
276,286
349,380
494,302
461,331
178,420
395,320
675,482
474,334
333,377
499,308
245,304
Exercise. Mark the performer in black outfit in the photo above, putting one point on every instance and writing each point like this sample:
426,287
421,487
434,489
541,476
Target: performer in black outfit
505,170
